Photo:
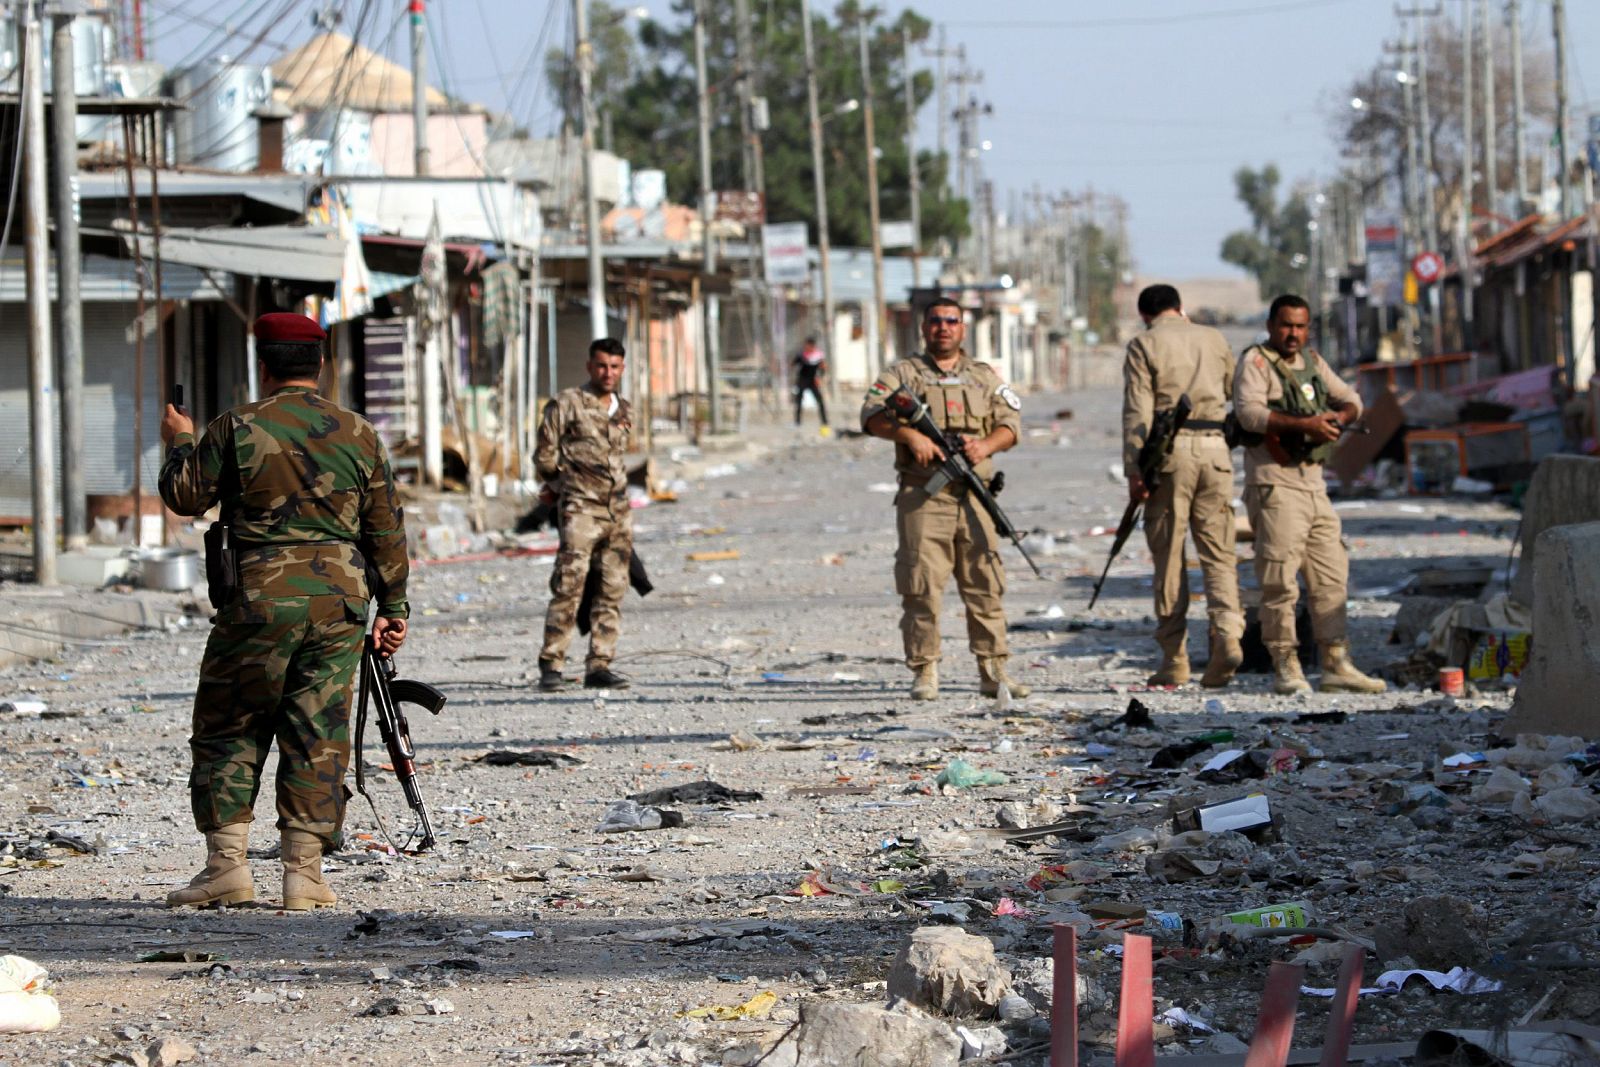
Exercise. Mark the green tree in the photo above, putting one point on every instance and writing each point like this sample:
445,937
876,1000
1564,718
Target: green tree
1276,247
655,120
1103,266
616,65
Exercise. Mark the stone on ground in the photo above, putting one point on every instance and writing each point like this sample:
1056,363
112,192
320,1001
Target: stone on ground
1564,663
841,1034
945,969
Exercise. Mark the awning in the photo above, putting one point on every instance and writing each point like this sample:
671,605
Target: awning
293,253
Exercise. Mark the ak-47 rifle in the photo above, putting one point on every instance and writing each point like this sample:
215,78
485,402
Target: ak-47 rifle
1156,448
387,693
955,467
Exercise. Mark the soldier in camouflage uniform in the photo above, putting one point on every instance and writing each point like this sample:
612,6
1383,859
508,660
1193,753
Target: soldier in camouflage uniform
582,439
947,532
307,488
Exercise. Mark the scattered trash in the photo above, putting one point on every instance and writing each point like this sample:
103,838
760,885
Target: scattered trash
1291,915
187,955
757,1007
1456,980
25,1005
715,556
535,757
24,707
1175,755
1251,816
702,792
960,774
626,816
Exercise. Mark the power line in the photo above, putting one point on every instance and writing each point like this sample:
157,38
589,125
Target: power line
1150,21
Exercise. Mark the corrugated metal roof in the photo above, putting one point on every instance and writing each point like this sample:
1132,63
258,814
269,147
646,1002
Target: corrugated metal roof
107,279
296,253
288,192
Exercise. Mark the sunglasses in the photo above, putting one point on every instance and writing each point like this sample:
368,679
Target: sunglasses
942,320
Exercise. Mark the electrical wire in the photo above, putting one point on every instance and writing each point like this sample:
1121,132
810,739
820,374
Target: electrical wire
1149,21
16,175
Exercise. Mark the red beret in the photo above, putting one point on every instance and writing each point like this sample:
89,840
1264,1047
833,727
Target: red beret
288,328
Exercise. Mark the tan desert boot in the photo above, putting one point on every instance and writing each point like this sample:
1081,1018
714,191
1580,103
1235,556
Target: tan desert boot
1226,655
303,887
1340,675
992,673
226,877
1288,678
925,682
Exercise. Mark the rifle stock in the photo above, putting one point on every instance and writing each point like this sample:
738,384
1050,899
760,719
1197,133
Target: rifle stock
386,693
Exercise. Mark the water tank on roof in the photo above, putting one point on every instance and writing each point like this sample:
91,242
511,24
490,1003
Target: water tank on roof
649,189
219,130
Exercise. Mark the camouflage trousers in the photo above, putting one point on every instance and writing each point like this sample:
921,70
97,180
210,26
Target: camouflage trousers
277,669
586,538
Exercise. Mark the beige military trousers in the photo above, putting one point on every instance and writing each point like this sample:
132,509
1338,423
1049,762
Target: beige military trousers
941,535
1195,497
1297,532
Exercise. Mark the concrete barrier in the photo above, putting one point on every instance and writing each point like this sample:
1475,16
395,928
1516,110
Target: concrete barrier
1565,490
1557,694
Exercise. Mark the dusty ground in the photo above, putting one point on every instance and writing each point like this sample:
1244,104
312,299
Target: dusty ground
795,645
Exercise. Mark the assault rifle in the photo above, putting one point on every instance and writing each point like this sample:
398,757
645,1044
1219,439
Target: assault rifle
387,693
1156,448
956,467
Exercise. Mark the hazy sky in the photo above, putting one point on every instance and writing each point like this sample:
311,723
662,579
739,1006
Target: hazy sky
1158,101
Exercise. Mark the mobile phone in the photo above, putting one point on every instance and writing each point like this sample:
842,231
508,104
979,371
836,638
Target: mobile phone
177,396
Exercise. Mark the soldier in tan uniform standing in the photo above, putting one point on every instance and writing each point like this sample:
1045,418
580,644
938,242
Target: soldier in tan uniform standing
1285,393
1174,357
583,438
947,533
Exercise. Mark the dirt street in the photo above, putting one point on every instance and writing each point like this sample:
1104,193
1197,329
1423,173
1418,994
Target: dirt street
528,937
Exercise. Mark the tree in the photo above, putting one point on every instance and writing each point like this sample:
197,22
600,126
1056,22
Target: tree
1276,247
616,65
1103,267
655,123
1376,132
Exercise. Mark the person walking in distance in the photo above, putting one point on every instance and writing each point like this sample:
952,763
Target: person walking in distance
1295,408
810,368
583,438
1175,358
946,532
305,487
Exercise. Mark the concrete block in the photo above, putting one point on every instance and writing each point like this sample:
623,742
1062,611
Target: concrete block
93,567
1557,692
1565,490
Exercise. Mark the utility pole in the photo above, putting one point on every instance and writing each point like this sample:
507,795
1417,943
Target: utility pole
820,182
598,327
753,166
36,257
1519,146
419,84
1558,22
879,315
911,163
1464,225
69,280
708,256
1491,119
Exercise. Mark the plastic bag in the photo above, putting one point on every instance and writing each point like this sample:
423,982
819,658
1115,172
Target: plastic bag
25,1007
962,775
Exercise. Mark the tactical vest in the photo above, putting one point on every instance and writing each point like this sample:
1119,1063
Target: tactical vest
1304,394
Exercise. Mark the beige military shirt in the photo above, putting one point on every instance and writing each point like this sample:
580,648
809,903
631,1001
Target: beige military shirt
1255,386
969,399
581,448
1173,357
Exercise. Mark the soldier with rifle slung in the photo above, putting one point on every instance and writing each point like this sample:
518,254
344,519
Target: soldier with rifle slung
947,531
1291,409
1175,358
309,511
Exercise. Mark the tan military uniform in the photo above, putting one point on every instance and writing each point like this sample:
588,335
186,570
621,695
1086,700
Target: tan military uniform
947,533
1296,529
580,454
1172,358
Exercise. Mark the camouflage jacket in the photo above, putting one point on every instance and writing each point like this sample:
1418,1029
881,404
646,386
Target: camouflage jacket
581,448
314,498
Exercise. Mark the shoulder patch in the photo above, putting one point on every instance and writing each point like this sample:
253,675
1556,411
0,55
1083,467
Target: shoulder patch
1006,393
879,389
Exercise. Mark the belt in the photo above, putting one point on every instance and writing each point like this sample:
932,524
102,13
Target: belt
1202,426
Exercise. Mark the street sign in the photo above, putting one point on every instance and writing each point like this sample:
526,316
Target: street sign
897,234
742,207
1428,267
1385,273
783,252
